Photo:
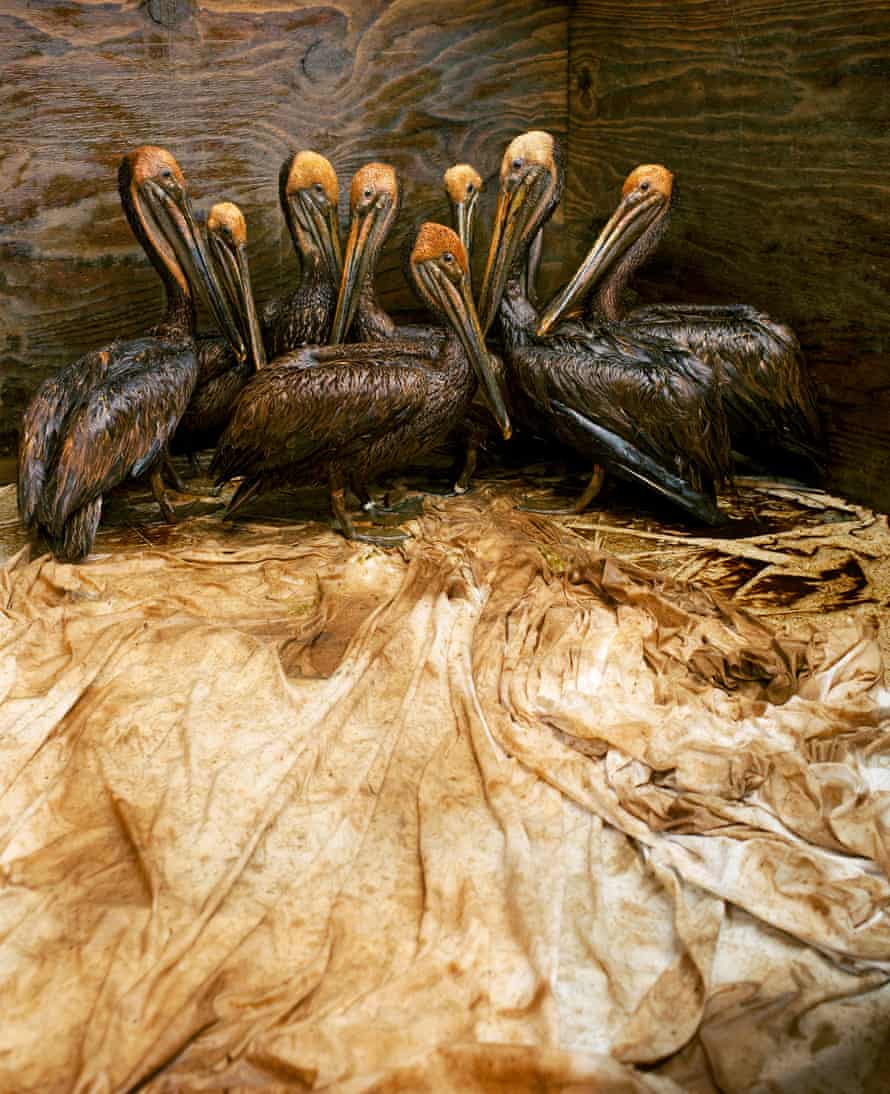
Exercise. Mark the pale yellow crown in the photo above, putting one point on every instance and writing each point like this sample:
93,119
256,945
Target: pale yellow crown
309,169
535,146
461,181
226,215
148,162
379,178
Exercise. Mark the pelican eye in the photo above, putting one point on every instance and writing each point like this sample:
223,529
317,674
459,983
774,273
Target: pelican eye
367,192
319,189
644,185
469,187
167,174
517,164
227,230
448,257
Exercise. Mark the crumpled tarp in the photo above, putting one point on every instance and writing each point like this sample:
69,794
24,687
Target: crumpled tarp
497,811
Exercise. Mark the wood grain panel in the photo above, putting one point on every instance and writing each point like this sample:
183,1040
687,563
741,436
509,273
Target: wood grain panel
775,117
231,86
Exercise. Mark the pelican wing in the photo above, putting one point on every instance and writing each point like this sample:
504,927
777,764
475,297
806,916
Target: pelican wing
119,430
287,416
669,414
369,353
43,421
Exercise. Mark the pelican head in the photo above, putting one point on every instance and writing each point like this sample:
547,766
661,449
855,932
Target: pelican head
530,186
463,184
373,205
155,199
310,196
227,233
441,272
645,202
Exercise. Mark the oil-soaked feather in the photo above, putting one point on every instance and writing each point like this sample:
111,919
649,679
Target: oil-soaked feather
79,531
303,318
210,409
767,395
215,357
355,412
300,319
119,430
287,416
670,413
56,399
628,462
392,352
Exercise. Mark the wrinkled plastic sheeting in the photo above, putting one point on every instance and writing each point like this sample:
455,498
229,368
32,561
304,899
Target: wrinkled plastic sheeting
460,817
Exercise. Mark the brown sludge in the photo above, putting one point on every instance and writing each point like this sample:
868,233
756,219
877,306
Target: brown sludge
510,809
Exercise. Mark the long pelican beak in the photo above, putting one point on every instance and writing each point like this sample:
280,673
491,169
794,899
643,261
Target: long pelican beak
230,262
366,233
464,214
456,301
173,217
519,211
323,227
624,228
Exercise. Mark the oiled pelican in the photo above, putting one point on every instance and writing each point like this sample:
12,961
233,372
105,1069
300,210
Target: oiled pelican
374,200
364,409
309,193
211,403
634,404
463,185
109,416
767,395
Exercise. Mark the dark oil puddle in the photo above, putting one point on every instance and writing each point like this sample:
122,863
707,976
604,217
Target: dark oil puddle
836,589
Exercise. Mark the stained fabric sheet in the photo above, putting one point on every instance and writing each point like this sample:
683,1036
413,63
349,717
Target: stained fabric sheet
507,809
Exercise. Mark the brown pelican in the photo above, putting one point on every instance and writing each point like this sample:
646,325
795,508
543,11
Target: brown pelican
463,185
109,416
309,195
769,402
211,403
364,409
373,206
636,404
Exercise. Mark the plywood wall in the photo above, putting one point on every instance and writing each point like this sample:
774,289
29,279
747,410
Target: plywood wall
231,86
775,117
773,114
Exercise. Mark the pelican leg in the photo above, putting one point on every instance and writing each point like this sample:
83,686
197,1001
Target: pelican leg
462,484
160,495
593,487
358,487
378,513
173,476
338,507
